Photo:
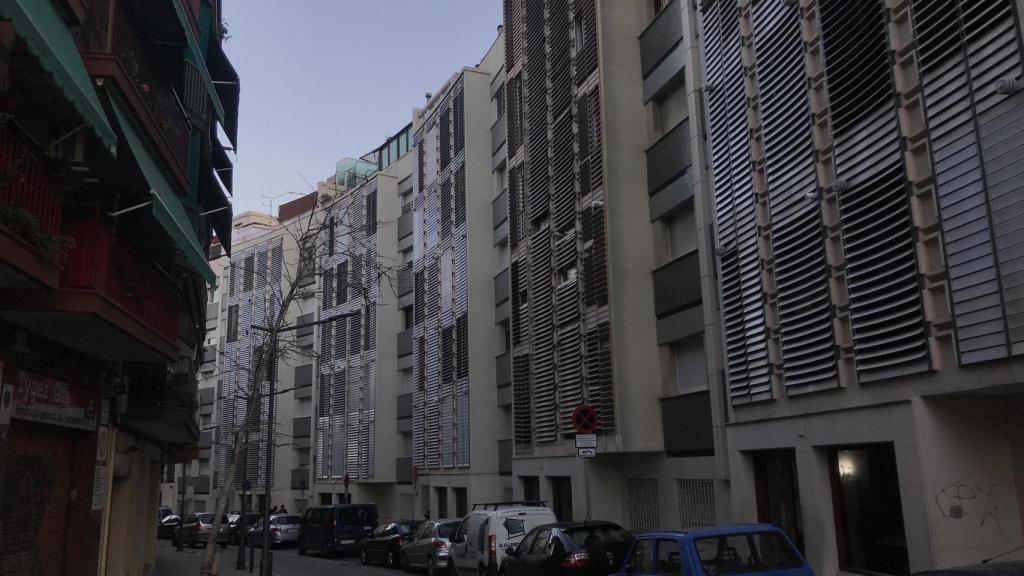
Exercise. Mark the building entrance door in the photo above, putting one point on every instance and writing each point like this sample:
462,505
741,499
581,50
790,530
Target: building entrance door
778,494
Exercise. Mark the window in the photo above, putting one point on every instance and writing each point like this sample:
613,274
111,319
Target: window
462,345
581,39
342,279
247,273
330,236
668,557
682,233
670,109
526,546
232,279
461,501
641,561
371,213
407,317
499,100
746,553
233,323
690,364
328,301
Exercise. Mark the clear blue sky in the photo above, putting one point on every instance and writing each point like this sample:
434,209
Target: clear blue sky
325,79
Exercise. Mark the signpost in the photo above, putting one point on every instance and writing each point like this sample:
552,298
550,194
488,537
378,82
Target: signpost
585,421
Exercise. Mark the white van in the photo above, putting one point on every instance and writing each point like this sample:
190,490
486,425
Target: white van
481,540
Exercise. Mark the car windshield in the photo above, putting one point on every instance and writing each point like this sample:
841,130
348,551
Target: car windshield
285,520
745,553
446,530
597,535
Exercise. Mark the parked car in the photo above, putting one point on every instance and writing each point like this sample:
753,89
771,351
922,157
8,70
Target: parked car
385,545
163,512
336,529
167,526
284,528
1013,568
760,549
197,527
428,548
234,525
569,548
479,544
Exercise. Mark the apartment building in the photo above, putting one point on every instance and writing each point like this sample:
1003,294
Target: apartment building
360,454
112,113
867,193
612,277
455,336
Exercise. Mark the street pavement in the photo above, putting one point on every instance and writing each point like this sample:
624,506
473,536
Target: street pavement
287,562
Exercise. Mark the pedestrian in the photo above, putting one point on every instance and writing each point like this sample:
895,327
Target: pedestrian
283,509
426,515
274,510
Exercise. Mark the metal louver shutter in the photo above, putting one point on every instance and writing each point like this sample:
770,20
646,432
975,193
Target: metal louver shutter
327,297
886,314
446,209
798,244
672,107
445,138
963,50
682,232
522,419
459,111
742,306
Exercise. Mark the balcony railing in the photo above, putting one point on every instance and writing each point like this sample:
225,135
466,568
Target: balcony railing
102,262
26,184
668,158
111,32
405,280
677,285
662,34
497,134
503,369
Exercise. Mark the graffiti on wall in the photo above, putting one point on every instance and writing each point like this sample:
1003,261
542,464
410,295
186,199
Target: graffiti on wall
976,502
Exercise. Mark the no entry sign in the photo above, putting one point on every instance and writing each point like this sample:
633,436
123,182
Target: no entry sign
584,419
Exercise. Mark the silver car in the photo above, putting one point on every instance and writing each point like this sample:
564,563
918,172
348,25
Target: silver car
284,528
428,547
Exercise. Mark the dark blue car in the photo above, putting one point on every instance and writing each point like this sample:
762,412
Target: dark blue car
760,549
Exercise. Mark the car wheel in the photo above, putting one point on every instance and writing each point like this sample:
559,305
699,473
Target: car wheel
431,566
363,558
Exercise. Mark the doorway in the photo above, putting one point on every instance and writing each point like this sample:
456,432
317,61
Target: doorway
869,516
561,497
778,494
441,493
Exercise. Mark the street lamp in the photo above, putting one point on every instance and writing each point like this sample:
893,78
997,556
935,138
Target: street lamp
265,557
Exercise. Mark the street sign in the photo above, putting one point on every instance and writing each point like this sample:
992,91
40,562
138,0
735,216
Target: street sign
586,452
584,419
586,441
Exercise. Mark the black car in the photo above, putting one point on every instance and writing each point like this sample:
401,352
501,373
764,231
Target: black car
569,548
336,529
990,569
166,528
386,543
235,522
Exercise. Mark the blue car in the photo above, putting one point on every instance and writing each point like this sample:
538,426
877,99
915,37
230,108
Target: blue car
760,549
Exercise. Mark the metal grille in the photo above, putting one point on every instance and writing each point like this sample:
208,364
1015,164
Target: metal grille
445,138
641,496
459,113
885,304
460,195
696,503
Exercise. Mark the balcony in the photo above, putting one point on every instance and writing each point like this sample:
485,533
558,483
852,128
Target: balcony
161,406
301,427
405,281
206,439
110,305
660,36
686,425
668,165
30,207
503,370
303,382
677,297
405,342
113,46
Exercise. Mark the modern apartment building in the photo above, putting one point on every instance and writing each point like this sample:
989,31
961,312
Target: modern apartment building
360,453
867,194
454,339
612,277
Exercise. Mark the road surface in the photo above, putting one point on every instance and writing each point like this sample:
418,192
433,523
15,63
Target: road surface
170,562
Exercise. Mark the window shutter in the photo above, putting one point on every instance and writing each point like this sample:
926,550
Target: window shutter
682,233
672,108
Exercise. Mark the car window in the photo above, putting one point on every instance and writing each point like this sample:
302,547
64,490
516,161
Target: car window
447,529
526,545
668,557
585,536
641,560
285,520
543,543
745,553
515,527
461,533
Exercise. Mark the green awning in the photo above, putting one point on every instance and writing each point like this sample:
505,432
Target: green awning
198,58
167,207
46,35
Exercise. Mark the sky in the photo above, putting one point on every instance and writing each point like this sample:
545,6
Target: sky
326,79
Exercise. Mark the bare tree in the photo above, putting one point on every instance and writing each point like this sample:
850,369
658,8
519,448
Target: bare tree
313,233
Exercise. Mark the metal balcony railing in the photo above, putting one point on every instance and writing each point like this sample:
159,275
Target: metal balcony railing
27,185
664,32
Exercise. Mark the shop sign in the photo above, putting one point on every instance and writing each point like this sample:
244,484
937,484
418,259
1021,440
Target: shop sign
51,401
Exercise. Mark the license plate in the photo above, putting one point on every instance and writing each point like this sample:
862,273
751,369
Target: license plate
348,541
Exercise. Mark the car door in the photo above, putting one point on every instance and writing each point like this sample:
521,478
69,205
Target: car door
423,543
641,559
515,563
460,547
669,557
533,564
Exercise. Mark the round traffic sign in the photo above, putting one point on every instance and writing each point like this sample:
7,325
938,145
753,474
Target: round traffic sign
584,419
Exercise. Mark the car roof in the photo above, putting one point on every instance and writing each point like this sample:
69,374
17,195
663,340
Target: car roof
512,510
990,569
587,524
712,531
